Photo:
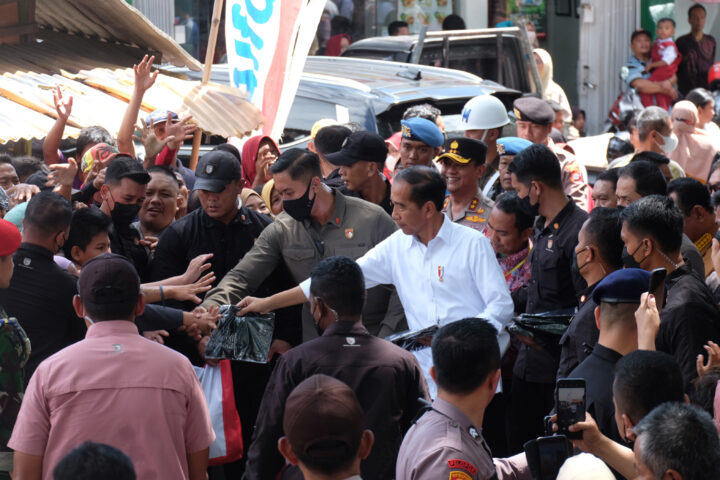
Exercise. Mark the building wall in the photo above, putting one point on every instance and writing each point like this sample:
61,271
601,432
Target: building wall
563,43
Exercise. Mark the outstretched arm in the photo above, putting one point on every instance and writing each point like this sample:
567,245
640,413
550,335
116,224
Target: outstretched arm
51,144
144,79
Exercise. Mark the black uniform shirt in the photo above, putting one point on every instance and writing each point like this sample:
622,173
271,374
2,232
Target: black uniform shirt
40,297
598,370
689,320
552,285
581,336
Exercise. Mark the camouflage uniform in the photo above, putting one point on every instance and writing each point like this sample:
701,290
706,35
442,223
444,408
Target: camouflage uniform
14,354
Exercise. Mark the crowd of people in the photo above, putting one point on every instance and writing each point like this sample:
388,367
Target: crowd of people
115,259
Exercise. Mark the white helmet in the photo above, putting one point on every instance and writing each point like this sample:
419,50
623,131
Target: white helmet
484,112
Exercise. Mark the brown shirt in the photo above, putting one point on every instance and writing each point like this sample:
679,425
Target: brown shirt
476,213
445,444
355,227
386,379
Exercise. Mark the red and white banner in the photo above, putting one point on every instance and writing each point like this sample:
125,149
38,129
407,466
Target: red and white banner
267,44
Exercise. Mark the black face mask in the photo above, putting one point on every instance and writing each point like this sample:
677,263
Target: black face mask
300,208
124,214
574,267
532,210
629,259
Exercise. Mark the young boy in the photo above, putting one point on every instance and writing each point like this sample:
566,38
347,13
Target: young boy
665,58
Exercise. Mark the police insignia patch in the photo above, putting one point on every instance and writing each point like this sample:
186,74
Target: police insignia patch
500,148
459,476
349,233
456,463
209,169
406,132
453,147
517,113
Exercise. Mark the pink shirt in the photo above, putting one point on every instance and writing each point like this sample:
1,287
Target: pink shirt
118,388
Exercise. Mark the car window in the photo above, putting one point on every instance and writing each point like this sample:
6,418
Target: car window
480,56
305,112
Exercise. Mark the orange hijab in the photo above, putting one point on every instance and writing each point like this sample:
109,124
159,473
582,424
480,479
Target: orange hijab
695,150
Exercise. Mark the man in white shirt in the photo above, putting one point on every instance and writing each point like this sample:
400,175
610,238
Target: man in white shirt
442,271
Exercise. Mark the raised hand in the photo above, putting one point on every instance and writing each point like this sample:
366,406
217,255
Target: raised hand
63,174
63,104
144,76
181,130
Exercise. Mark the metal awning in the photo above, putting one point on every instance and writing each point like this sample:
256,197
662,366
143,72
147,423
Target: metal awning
101,96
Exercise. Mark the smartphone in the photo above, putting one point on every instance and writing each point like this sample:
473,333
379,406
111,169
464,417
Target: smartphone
657,286
545,456
553,451
570,401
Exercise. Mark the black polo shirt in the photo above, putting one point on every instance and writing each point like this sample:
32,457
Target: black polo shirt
598,370
689,320
552,286
125,241
197,233
578,341
40,297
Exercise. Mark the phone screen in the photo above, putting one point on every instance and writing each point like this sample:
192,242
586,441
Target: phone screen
571,406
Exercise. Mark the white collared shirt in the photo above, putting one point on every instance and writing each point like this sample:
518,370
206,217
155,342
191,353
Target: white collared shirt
454,277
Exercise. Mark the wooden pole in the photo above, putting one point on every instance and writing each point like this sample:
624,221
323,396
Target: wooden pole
209,56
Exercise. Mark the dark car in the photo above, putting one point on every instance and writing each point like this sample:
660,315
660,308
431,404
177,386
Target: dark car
371,93
499,54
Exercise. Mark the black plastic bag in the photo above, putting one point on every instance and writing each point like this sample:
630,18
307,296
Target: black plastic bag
545,328
246,339
414,340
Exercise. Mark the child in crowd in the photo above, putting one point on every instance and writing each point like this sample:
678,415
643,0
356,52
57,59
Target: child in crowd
665,60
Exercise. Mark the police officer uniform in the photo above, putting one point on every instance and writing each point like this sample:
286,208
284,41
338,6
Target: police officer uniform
506,146
574,175
444,443
477,212
422,130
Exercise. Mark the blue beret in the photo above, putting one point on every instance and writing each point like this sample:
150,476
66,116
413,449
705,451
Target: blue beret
512,145
622,286
417,128
159,116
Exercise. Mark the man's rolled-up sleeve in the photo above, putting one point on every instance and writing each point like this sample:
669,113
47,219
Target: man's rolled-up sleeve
512,468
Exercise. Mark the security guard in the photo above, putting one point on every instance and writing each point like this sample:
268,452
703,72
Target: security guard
499,182
421,141
534,123
446,442
461,165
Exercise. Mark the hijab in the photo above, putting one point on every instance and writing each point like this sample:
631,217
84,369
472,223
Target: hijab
249,157
695,150
551,90
333,45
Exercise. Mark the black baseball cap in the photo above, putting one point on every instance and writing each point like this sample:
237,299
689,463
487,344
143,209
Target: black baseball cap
125,166
215,170
358,146
108,280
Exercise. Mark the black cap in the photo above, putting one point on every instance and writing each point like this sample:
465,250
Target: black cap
533,109
125,166
215,170
463,150
108,280
358,146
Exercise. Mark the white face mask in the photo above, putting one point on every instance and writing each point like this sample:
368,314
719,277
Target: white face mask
88,319
669,143
482,139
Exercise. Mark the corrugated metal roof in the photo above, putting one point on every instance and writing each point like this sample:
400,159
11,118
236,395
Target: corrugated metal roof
100,97
112,21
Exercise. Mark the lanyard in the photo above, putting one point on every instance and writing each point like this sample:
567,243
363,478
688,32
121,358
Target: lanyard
507,275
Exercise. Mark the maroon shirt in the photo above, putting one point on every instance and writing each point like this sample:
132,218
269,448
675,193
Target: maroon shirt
697,58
